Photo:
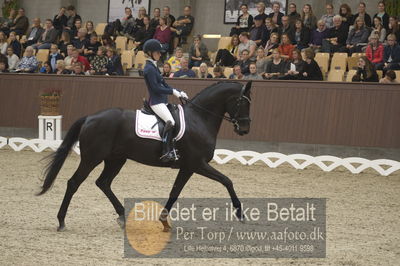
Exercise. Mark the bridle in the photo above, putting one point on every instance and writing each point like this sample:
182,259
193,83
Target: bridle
235,119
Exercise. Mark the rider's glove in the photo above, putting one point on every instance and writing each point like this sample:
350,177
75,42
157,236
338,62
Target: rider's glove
176,93
184,95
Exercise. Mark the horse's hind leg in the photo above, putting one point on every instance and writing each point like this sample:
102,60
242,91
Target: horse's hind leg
110,171
74,182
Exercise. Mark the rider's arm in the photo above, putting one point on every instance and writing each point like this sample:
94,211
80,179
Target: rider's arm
151,77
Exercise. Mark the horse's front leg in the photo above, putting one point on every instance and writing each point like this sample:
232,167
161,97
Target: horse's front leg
180,181
210,172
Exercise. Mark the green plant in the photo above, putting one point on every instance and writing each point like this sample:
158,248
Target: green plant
50,92
393,7
8,5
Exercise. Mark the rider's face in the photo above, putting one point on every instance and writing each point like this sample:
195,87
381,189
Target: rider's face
156,55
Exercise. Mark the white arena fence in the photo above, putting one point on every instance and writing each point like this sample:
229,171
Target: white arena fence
221,156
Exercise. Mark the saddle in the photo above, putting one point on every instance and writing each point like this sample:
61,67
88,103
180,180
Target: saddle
150,125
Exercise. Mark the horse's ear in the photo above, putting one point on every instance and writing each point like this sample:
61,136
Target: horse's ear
247,88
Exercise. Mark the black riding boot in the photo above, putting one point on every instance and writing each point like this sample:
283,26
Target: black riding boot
168,151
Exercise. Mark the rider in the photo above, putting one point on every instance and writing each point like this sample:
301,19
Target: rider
159,90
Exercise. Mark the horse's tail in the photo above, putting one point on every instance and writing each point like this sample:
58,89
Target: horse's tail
57,158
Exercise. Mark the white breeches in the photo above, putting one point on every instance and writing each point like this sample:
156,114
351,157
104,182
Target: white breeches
162,111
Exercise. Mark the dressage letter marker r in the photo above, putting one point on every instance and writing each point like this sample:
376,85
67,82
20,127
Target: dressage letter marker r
49,126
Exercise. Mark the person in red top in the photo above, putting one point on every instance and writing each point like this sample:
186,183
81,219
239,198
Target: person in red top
286,48
163,33
78,58
374,50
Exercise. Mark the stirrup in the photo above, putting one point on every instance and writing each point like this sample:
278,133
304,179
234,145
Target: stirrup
170,156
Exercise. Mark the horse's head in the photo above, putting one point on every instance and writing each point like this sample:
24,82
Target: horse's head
238,108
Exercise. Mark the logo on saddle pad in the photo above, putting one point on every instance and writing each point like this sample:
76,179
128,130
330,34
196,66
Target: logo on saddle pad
147,126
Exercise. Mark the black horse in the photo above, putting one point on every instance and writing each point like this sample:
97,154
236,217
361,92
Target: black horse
109,136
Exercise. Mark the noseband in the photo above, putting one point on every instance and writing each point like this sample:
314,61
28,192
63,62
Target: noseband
235,119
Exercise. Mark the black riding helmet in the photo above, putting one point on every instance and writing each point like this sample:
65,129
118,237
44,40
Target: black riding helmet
152,45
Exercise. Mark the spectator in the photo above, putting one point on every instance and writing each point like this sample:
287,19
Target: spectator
60,68
258,32
345,13
15,44
48,37
46,68
12,59
78,58
3,43
337,37
276,13
6,23
301,35
271,27
198,53
229,55
328,17
99,62
167,70
244,21
272,44
358,36
378,29
203,72
391,55
91,47
81,42
374,51
128,22
183,25
276,68
237,73
261,60
21,23
308,17
295,67
293,15
34,33
394,27
185,72
72,18
362,14
29,62
286,47
69,57
247,44
107,41
287,27
75,29
318,35
311,68
175,61
54,56
60,20
244,62
78,69
390,77
167,14
366,71
219,73
261,11
3,67
163,33
64,42
90,28
155,21
139,20
253,75
114,66
382,15
144,33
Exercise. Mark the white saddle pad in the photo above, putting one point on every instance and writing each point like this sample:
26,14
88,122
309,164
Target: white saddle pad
147,127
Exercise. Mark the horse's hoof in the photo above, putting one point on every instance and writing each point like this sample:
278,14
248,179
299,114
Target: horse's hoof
61,228
121,221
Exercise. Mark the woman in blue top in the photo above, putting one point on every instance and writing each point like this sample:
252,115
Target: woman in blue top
159,91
